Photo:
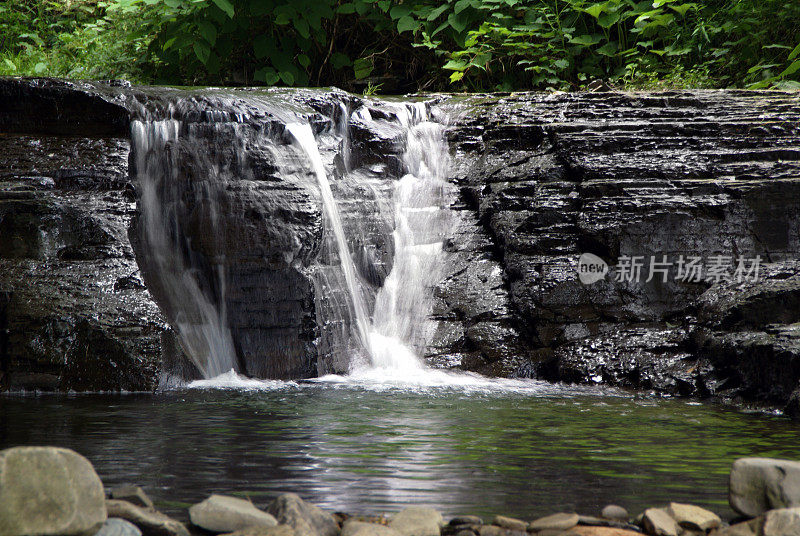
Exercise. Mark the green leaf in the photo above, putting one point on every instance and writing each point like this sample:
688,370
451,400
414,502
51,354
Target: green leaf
287,77
793,54
561,64
346,9
202,51
398,12
433,15
791,69
457,22
40,67
304,60
455,65
362,67
225,6
609,49
302,28
461,5
607,20
586,40
456,76
595,10
339,60
208,31
406,23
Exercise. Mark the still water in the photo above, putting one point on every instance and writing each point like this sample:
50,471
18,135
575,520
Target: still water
354,445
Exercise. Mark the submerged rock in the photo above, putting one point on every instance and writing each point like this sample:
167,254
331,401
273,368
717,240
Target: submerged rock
220,513
150,522
49,491
757,485
132,494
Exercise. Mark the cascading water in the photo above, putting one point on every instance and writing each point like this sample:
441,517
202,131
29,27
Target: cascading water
396,333
400,322
196,306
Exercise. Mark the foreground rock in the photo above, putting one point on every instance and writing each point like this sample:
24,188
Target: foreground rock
115,526
658,522
782,522
615,513
49,491
132,494
359,528
277,530
220,513
760,484
691,517
561,521
150,522
304,518
417,521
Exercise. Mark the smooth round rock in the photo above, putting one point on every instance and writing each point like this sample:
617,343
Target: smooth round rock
221,513
760,484
510,523
561,521
615,513
305,518
417,521
601,531
49,491
115,526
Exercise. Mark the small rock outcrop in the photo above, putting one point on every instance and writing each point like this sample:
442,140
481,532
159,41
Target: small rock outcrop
49,491
115,526
757,485
220,513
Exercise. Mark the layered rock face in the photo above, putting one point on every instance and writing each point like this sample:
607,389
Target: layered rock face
677,174
540,179
74,312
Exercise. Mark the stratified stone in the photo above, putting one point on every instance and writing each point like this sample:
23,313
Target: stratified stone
306,519
560,521
150,522
614,512
693,517
132,494
510,523
417,521
220,513
657,522
359,528
760,484
48,491
115,526
746,528
782,522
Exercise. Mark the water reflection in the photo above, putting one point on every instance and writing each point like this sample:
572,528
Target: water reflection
349,448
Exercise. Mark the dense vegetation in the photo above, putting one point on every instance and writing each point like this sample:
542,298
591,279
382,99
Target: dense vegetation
405,45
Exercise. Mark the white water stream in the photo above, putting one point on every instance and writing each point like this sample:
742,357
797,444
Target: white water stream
399,327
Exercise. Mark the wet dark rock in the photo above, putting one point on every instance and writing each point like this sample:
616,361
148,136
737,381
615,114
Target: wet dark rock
306,519
65,322
132,494
150,522
674,173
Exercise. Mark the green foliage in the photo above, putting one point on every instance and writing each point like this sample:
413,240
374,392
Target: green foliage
408,45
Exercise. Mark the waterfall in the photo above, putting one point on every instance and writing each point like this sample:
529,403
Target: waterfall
400,322
396,332
196,306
